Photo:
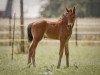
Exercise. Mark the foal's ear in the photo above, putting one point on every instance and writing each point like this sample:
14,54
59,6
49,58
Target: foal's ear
63,15
74,10
67,10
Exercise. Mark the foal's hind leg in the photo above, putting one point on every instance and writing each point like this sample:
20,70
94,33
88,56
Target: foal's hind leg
67,54
35,43
32,52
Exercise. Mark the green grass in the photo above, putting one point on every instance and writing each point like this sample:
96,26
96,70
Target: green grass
84,60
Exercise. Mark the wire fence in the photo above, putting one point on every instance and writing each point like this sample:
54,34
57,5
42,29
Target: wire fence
88,31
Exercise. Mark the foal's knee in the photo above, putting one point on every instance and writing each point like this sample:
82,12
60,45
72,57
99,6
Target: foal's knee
67,53
60,53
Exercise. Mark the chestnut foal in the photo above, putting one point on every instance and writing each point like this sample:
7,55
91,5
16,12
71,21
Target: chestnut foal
61,30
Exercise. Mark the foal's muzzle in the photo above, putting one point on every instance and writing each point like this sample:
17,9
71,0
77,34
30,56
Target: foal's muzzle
70,26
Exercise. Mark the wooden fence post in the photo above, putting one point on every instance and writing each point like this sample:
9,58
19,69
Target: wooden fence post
9,31
13,36
22,27
76,34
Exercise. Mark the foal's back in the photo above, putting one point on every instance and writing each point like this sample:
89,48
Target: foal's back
50,28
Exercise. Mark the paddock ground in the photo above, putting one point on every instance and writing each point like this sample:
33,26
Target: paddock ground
84,60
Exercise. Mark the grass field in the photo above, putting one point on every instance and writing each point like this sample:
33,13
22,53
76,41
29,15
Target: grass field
84,60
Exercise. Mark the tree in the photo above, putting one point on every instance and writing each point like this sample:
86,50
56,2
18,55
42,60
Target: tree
52,9
85,8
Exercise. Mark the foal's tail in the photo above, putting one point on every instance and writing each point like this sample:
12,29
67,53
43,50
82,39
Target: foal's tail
30,37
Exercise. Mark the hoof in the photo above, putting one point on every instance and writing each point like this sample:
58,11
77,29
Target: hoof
34,65
67,66
29,64
58,67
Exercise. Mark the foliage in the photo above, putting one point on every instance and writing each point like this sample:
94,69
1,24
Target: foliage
51,8
85,8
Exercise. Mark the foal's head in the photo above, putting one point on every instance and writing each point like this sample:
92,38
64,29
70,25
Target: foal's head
70,16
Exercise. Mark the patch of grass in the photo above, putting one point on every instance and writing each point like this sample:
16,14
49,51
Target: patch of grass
84,60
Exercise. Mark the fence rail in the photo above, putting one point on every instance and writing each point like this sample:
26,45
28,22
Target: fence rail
52,41
79,32
83,28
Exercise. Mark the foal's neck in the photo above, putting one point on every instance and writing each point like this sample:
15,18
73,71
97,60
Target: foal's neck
63,20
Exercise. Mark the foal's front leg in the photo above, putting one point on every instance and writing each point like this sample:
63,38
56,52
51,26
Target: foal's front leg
67,54
62,44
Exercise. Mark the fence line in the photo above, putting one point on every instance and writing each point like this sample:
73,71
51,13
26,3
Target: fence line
79,32
80,25
53,41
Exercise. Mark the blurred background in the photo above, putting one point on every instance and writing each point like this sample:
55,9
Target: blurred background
86,29
84,44
49,8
